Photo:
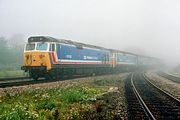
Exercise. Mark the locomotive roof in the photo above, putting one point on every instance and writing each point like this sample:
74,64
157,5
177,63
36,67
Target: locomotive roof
51,39
78,44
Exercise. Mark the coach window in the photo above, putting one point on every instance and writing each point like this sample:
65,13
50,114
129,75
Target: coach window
52,47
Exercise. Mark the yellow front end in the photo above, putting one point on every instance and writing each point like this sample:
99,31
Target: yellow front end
37,59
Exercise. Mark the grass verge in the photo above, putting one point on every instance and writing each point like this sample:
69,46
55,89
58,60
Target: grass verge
79,101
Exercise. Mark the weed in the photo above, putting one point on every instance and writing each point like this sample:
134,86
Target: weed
73,95
45,104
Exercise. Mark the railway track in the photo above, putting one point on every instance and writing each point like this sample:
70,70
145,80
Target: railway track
134,107
12,78
156,103
7,82
19,82
169,77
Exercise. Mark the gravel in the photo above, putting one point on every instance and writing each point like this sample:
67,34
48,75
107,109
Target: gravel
165,84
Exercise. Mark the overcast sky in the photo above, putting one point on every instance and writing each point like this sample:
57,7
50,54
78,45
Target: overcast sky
150,27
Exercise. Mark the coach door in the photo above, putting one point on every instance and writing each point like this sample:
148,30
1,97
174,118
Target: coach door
52,49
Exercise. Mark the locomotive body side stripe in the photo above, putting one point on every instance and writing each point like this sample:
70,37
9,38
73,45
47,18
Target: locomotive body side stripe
80,63
64,60
53,58
126,63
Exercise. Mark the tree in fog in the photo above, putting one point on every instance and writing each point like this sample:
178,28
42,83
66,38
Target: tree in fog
5,53
16,43
11,52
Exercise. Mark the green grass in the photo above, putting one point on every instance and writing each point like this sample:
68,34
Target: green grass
44,104
68,102
14,73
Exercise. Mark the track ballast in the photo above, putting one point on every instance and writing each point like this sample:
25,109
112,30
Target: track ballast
169,77
160,104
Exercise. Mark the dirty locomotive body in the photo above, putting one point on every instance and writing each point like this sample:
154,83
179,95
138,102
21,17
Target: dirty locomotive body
55,58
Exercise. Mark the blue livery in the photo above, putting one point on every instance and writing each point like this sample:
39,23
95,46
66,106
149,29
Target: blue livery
71,52
126,59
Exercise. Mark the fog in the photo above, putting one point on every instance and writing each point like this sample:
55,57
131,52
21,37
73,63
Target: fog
148,27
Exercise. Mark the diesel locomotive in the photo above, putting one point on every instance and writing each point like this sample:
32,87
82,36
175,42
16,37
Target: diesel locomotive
54,58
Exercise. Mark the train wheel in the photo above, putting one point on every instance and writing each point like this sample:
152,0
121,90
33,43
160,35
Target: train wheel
52,75
49,76
33,75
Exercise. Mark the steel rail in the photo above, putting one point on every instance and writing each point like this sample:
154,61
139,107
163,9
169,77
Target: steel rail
13,78
168,94
29,81
22,83
149,114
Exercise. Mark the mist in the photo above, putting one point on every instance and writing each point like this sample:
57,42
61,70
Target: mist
149,28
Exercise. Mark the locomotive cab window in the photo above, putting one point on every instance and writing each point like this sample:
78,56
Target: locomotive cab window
41,46
30,47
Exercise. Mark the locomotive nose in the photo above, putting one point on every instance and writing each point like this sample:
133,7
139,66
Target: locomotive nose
35,59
